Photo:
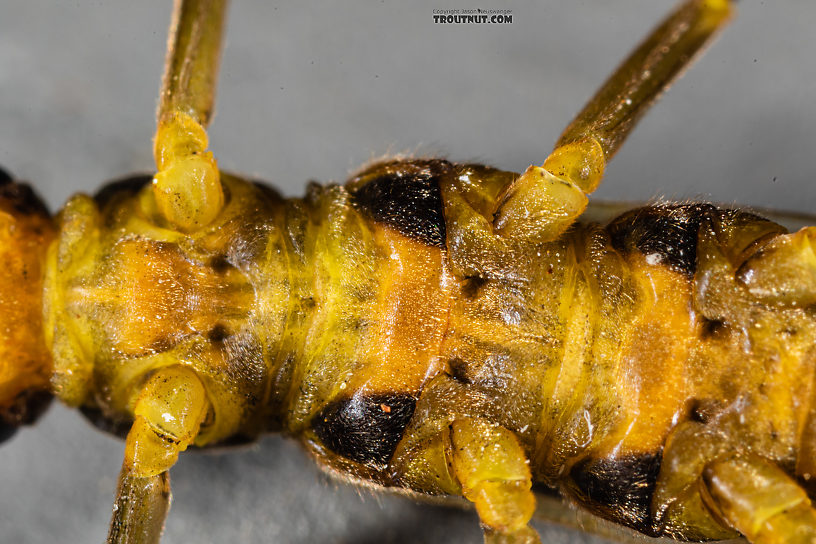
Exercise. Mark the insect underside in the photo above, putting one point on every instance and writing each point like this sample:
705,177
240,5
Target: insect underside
440,328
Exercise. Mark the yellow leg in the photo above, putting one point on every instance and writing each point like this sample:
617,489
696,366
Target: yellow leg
493,471
539,206
783,271
187,187
168,414
759,500
544,201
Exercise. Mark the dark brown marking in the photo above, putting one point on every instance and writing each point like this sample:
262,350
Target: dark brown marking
105,423
407,198
459,371
711,328
666,233
618,488
218,333
5,177
471,286
6,431
121,188
360,429
25,409
540,488
21,199
703,410
220,264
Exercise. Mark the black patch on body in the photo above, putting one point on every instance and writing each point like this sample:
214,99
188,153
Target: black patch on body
408,200
118,427
365,428
25,409
712,328
121,188
218,333
459,371
220,264
471,286
21,197
669,231
6,431
619,488
704,410
5,177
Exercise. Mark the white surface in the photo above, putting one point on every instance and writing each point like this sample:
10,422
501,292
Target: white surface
312,93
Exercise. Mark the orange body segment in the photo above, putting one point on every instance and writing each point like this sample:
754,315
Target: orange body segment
25,363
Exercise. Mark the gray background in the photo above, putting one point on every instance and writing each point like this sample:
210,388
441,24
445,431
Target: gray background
313,91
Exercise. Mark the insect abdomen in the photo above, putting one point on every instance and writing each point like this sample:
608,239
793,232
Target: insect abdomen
25,364
601,345
701,358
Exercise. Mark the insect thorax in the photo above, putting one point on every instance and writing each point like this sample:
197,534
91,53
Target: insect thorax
279,306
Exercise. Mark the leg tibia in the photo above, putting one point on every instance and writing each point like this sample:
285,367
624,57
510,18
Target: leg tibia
759,500
140,509
612,113
543,202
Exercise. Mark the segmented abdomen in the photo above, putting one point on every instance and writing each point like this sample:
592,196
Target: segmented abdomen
594,348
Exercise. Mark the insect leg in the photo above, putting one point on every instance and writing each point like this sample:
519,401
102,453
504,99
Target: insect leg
140,509
576,166
783,271
168,412
742,259
187,186
493,471
758,499
677,507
